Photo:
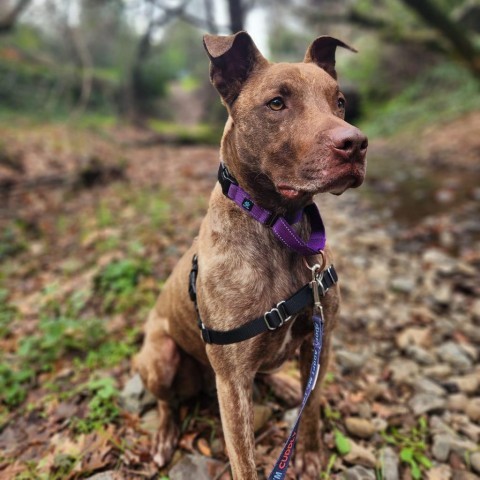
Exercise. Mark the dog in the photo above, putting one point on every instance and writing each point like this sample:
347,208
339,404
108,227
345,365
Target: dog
285,141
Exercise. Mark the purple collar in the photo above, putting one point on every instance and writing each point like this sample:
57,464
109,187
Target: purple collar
281,228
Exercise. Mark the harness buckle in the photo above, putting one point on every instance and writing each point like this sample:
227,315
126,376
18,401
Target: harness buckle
281,313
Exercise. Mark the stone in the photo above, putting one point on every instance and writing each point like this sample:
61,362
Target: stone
360,427
439,371
453,354
261,415
475,309
358,473
414,336
108,475
360,455
441,472
424,385
473,409
403,284
444,443
380,424
420,355
425,402
463,475
350,361
475,462
403,370
457,402
466,383
389,465
150,421
195,466
134,397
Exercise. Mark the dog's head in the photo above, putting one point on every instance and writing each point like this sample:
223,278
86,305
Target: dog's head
286,138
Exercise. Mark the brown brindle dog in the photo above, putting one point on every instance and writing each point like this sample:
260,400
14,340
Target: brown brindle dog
285,141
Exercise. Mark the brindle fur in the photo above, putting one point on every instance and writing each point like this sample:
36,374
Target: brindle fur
243,269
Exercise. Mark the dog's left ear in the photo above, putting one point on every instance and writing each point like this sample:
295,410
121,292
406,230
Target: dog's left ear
322,52
232,59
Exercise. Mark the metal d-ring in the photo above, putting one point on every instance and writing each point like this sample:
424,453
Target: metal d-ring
317,267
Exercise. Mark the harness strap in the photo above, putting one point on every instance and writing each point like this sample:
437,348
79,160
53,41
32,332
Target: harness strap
271,320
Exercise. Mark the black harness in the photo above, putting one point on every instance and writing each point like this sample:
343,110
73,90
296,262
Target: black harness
271,320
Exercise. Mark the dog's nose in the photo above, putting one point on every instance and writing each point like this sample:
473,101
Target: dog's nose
349,142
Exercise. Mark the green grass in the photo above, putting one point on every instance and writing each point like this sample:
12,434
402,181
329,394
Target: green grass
197,134
413,447
441,94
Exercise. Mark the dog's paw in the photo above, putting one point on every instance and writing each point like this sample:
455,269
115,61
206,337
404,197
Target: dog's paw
308,465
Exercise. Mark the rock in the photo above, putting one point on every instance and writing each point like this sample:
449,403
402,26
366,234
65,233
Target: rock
403,370
414,336
438,371
261,415
425,402
290,417
475,309
380,424
358,473
473,409
424,385
359,455
360,427
150,421
420,355
444,443
134,397
467,383
403,284
441,447
390,465
457,402
108,475
475,462
442,294
453,354
442,472
350,361
195,466
463,475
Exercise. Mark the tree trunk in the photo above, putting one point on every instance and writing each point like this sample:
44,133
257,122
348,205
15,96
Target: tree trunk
236,12
458,39
8,22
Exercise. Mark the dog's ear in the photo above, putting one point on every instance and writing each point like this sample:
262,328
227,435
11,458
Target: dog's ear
322,52
232,60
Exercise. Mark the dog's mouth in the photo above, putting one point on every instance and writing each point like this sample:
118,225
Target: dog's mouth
289,192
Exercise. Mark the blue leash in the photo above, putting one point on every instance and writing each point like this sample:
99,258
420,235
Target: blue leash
280,469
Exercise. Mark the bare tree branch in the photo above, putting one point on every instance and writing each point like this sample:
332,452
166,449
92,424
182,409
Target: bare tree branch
8,22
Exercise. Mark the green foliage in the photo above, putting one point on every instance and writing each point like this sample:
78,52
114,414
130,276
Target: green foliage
117,283
199,134
7,313
342,443
413,447
102,408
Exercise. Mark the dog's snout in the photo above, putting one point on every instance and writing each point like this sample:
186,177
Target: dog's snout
349,142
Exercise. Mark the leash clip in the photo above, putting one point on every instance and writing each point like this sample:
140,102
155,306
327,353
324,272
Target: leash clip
316,284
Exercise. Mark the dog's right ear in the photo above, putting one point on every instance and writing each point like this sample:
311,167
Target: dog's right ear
232,59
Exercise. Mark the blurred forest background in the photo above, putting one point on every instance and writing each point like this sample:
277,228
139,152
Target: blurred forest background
109,133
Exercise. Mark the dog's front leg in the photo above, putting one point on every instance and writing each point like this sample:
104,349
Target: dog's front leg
236,410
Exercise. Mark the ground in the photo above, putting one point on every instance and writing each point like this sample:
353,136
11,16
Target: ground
94,219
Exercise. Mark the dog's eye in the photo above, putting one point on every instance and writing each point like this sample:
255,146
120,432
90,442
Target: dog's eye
276,104
341,103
